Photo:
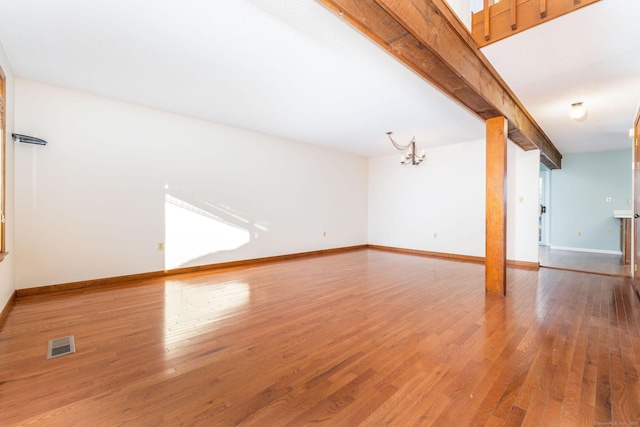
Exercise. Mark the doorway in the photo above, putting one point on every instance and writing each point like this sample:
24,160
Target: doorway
563,259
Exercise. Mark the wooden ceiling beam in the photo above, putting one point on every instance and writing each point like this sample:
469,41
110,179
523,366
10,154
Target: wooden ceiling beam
428,37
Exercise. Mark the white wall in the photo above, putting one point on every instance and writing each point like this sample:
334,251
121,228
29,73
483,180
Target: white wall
523,175
584,194
440,206
462,8
437,207
7,286
117,179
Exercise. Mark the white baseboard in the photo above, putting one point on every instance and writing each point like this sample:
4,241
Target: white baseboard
595,251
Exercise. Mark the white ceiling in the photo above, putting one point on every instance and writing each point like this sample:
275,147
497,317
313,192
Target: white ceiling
591,55
295,70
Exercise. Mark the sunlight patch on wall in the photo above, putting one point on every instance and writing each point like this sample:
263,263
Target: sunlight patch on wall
192,233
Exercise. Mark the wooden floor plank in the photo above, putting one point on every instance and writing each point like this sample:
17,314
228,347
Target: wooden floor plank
583,261
359,338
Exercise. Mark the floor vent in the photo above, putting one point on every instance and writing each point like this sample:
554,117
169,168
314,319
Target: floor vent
61,346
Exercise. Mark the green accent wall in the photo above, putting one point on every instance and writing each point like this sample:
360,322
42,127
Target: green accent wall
580,215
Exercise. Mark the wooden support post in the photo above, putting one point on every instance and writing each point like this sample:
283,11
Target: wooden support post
514,13
543,9
496,207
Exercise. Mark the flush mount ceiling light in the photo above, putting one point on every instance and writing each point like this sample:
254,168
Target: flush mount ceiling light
410,157
578,112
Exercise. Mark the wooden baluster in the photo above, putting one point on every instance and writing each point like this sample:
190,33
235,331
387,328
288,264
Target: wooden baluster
487,18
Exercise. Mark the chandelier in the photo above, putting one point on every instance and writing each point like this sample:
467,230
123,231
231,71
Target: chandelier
410,157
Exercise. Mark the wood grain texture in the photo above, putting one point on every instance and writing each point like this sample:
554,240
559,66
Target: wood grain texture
496,207
364,337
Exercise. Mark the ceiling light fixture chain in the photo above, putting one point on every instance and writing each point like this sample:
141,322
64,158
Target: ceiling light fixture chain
410,157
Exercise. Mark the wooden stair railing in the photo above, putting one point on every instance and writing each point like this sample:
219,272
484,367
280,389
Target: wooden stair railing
503,18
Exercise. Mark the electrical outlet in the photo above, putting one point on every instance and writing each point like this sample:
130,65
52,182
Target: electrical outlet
161,246
324,234
608,199
435,235
608,231
579,233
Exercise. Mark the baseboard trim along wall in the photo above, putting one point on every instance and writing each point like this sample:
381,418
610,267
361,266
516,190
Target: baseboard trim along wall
455,257
107,281
594,251
7,308
110,281
523,265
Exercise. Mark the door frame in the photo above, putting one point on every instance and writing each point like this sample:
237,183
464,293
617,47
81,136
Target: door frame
636,200
543,221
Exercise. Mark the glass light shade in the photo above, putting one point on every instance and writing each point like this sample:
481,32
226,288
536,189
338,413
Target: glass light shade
578,111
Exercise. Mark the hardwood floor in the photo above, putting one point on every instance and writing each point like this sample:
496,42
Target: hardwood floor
360,338
583,261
